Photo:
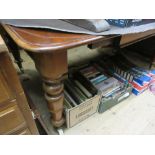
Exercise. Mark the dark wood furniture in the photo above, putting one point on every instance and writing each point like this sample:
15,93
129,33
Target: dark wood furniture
15,114
49,52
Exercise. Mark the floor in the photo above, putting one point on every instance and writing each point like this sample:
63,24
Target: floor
136,115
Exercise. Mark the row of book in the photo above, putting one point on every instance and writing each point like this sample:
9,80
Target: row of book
120,67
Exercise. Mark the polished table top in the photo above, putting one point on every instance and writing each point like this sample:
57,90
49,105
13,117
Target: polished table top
46,40
39,40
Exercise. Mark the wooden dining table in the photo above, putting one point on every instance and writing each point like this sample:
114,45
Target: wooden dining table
48,49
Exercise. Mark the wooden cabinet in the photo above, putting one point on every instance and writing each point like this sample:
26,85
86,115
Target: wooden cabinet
15,114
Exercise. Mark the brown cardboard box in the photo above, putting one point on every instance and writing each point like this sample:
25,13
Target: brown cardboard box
79,113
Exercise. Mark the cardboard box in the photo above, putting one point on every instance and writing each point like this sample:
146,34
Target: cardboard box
116,89
82,111
111,90
108,102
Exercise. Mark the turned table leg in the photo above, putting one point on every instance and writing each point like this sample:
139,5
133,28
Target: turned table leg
52,68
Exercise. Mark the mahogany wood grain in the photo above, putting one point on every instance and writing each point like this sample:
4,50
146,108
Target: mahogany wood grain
35,40
52,68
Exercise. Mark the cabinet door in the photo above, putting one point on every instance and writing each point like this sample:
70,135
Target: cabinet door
9,74
5,92
11,119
